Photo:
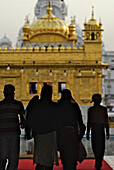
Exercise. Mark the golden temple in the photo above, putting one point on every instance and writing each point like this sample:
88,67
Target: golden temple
76,68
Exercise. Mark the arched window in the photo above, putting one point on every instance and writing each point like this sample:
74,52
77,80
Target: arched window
92,36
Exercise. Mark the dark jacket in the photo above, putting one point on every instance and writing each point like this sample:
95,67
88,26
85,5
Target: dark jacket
41,117
69,114
10,109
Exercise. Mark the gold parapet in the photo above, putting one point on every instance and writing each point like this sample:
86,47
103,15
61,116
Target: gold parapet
42,49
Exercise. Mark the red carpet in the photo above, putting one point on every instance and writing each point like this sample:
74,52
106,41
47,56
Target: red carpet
87,164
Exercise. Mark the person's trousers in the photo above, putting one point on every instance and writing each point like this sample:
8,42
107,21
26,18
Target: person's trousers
41,167
69,166
98,143
69,151
9,151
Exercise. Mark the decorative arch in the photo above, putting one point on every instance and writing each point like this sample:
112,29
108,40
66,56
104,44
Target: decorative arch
92,36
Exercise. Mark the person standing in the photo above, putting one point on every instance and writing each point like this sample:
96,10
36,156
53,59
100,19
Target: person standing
10,129
70,130
28,131
41,119
97,122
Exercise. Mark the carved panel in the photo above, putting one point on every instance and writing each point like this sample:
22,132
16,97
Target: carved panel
44,38
85,89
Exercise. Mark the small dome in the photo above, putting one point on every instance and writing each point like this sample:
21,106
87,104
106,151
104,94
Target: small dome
49,23
5,42
26,28
72,26
93,21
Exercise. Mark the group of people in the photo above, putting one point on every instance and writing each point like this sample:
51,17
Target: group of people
55,126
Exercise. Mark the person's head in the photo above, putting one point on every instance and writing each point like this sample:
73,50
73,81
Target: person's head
46,92
66,95
96,98
9,90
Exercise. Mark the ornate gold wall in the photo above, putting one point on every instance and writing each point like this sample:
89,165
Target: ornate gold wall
71,60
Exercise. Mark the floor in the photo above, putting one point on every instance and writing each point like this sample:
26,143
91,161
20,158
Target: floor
110,160
109,151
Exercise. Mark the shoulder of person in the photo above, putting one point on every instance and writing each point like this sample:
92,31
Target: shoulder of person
90,108
18,103
76,106
74,103
2,102
54,103
59,101
103,107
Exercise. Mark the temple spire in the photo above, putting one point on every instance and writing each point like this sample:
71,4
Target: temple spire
74,18
72,21
27,19
49,9
49,4
92,12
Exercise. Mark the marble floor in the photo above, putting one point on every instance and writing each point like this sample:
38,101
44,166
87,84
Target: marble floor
109,146
110,160
109,151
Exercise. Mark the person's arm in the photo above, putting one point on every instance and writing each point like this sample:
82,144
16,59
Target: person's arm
21,113
107,124
28,129
88,125
82,127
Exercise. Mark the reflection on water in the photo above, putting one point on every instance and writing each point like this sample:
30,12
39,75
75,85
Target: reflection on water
108,151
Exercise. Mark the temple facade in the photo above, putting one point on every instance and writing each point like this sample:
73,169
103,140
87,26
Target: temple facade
50,54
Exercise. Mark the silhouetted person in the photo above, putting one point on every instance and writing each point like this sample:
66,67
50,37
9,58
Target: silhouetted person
97,122
28,131
42,121
34,99
10,129
70,130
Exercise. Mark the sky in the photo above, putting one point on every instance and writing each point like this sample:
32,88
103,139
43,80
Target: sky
13,13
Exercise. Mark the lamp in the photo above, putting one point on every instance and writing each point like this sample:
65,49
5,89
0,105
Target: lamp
93,71
79,74
36,72
50,74
108,69
8,67
64,74
22,70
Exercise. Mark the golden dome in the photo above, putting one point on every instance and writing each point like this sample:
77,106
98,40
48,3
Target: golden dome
72,28
49,23
23,49
11,49
93,21
26,28
17,49
30,48
5,48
